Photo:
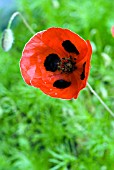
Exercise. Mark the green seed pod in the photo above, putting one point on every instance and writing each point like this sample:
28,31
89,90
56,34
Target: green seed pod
7,39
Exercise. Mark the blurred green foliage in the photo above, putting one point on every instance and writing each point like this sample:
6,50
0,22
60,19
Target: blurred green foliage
38,132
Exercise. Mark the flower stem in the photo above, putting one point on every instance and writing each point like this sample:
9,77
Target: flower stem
101,101
23,19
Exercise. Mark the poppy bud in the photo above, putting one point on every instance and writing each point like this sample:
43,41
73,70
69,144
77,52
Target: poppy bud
112,31
7,39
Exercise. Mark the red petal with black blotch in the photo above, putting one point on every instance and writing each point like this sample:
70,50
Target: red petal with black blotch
50,42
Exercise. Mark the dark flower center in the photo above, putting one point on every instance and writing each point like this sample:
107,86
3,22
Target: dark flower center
67,65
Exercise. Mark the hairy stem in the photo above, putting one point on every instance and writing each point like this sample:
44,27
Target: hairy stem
101,101
23,19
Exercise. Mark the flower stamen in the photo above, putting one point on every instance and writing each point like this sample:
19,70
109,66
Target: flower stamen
67,65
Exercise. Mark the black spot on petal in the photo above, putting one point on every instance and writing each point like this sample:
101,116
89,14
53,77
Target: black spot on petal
51,62
70,47
61,84
82,76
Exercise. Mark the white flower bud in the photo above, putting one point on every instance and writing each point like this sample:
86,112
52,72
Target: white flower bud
7,39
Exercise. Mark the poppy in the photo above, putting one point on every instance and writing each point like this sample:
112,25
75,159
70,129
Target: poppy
57,61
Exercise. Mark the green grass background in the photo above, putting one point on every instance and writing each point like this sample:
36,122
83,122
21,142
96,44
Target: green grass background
38,132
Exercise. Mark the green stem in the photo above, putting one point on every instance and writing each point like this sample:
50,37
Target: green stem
101,101
23,19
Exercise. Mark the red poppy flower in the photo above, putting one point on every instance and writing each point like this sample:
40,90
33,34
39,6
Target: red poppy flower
57,61
112,31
